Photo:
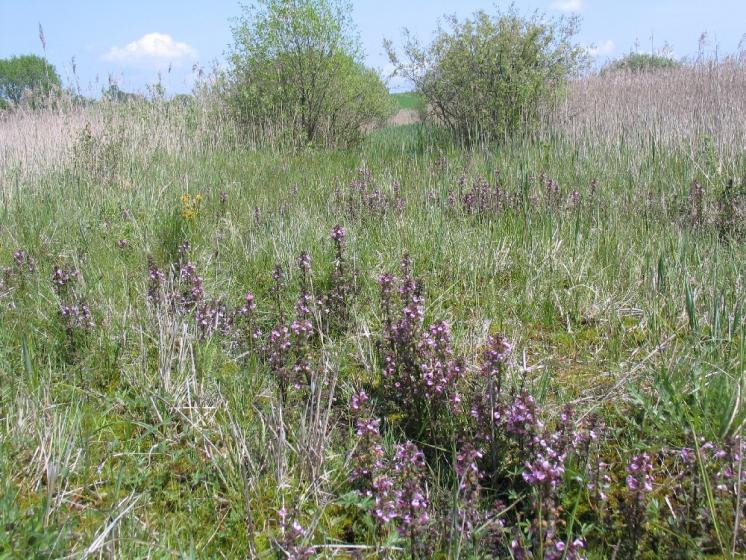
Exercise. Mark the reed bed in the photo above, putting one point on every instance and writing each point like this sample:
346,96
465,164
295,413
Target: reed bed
680,107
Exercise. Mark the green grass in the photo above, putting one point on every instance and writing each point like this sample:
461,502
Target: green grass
409,100
619,305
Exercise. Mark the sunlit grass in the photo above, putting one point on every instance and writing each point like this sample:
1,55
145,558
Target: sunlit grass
142,438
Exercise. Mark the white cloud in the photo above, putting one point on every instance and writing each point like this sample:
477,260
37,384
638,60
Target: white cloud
605,48
567,5
153,47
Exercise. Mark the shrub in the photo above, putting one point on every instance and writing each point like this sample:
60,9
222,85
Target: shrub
296,67
116,95
486,78
643,62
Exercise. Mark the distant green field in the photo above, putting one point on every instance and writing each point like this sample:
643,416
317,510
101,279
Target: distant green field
408,100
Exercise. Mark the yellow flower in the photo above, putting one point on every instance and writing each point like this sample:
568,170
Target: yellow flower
190,205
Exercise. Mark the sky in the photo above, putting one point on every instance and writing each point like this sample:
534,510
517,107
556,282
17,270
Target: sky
133,42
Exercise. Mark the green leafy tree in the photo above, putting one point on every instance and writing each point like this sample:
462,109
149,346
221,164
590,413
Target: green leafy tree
643,62
297,66
26,75
488,77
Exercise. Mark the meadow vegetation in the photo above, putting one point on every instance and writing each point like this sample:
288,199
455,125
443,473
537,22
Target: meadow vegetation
216,341
409,100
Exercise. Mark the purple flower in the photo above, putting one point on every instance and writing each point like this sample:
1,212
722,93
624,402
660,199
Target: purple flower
61,278
639,478
77,317
156,279
338,233
292,537
302,328
23,262
278,276
687,455
304,262
212,317
386,282
520,417
192,291
548,462
184,249
367,426
358,400
249,305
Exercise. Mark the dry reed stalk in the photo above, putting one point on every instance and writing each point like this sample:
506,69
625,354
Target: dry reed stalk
676,107
36,142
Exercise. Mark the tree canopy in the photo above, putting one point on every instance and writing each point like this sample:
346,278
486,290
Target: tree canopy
26,75
488,76
644,62
297,65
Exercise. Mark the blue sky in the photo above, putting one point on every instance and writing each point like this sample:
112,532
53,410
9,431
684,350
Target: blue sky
132,41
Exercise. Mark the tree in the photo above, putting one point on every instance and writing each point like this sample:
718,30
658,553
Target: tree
117,95
489,76
297,65
643,62
26,75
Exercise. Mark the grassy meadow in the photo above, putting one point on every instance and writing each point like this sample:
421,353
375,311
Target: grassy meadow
176,383
408,100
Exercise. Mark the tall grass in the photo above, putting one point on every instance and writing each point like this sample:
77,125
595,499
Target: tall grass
146,437
683,107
